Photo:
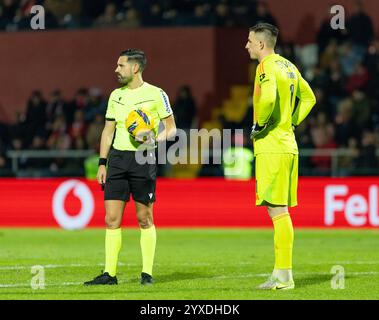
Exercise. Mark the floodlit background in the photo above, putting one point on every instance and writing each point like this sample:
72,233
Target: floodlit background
55,82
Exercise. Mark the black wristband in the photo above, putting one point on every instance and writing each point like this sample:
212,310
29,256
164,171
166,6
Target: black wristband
102,161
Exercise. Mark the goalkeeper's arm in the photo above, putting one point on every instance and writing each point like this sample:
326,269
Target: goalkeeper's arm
264,106
307,100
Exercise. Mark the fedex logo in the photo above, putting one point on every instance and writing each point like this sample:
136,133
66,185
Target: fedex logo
358,209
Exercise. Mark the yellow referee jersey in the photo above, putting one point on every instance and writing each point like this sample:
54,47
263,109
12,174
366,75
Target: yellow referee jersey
124,100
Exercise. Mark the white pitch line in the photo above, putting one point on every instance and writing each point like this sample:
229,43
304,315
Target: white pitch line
356,262
240,276
26,285
54,266
253,275
121,264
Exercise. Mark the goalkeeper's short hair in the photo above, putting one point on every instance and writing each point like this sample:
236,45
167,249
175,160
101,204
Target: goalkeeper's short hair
269,31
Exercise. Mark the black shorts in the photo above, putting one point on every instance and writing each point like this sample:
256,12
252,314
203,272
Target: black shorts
125,176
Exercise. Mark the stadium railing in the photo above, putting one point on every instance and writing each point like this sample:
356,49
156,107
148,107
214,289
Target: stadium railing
305,166
17,155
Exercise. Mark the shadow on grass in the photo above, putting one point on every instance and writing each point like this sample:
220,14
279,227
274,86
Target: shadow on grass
304,281
176,276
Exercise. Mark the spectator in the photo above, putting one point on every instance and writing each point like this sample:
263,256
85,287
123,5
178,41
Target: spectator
318,77
90,10
243,11
201,15
58,138
358,80
169,16
78,127
80,101
19,22
326,34
222,16
35,115
8,10
321,104
91,164
359,26
350,58
263,14
131,20
94,132
335,89
108,18
38,143
329,54
16,144
78,143
238,159
96,104
19,128
371,63
345,126
348,163
362,110
323,131
367,160
55,107
3,157
184,108
323,137
154,16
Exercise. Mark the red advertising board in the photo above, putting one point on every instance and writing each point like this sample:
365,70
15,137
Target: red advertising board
78,203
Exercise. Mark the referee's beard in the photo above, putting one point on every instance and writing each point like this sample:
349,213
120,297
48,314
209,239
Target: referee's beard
124,80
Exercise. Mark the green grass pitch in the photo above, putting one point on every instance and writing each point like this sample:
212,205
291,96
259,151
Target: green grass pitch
190,264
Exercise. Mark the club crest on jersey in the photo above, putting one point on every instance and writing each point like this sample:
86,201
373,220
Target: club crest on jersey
262,76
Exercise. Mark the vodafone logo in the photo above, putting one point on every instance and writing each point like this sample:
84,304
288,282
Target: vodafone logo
358,209
84,194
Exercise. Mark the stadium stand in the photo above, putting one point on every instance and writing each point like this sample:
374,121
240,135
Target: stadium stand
342,68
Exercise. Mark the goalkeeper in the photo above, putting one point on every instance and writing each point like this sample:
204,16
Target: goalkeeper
119,169
282,99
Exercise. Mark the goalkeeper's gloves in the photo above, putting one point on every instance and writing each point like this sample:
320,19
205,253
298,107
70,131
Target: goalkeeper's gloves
255,129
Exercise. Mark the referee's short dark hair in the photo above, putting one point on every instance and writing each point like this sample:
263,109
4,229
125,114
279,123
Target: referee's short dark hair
135,55
269,31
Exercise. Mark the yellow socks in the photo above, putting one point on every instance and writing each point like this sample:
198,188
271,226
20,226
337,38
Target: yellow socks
283,240
113,242
148,241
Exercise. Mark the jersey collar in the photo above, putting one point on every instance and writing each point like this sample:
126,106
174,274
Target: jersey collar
269,56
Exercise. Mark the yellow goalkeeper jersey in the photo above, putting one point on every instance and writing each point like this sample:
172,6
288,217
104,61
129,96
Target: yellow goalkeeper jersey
277,84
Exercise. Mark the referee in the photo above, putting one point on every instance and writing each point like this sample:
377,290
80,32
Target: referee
119,169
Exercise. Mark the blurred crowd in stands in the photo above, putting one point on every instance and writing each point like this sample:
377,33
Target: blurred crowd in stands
345,80
342,68
71,14
53,123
